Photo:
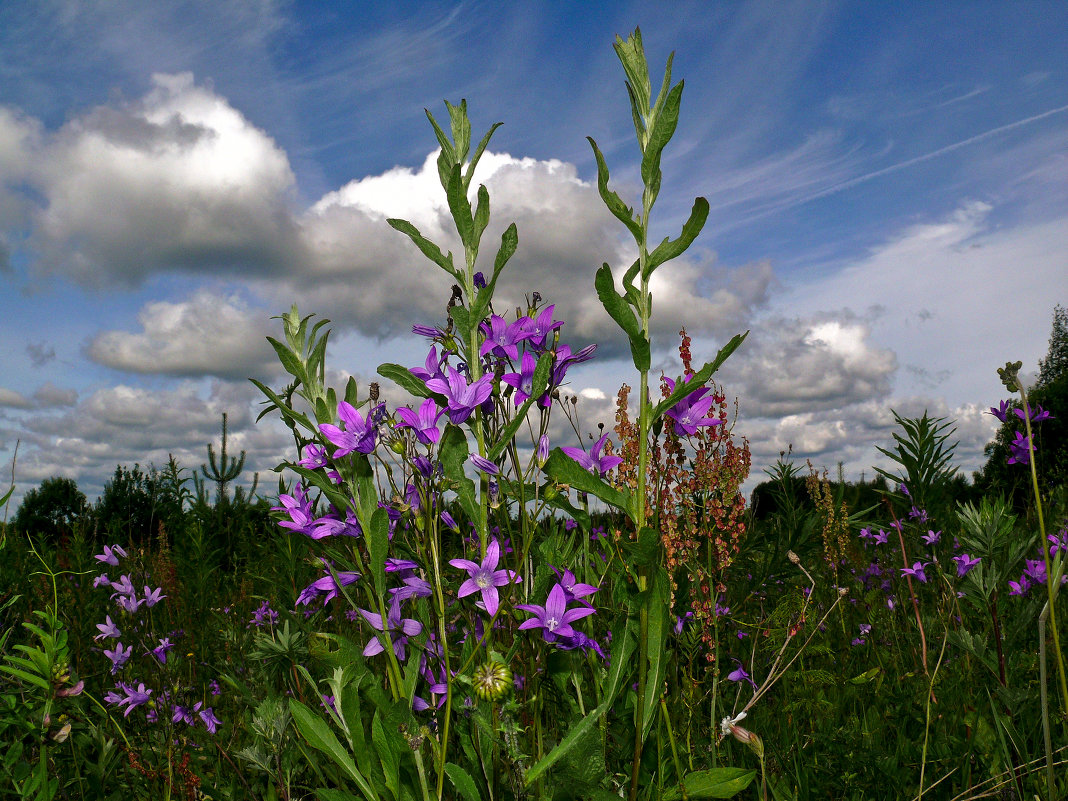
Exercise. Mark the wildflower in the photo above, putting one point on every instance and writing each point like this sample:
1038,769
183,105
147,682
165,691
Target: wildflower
479,280
432,366
689,413
123,586
1019,450
680,621
594,461
1035,570
485,578
69,692
414,587
180,714
161,650
916,571
740,674
1059,540
424,423
299,509
462,397
523,381
858,641
213,687
134,698
153,597
326,586
1019,587
965,564
904,490
539,328
865,534
865,629
1002,411
554,618
880,538
111,554
101,580
917,514
503,339
108,629
485,465
393,622
358,435
207,717
573,590
131,603
118,657
1038,414
264,614
564,359
931,537
428,331
543,450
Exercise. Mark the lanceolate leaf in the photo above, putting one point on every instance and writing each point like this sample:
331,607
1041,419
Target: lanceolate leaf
478,154
684,388
429,249
482,214
509,243
565,470
714,783
402,377
460,207
670,248
378,547
658,602
618,310
463,782
453,453
290,360
662,130
621,210
315,730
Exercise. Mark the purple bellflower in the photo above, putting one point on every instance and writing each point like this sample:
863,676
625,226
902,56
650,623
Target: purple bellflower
207,717
111,554
424,423
965,564
153,597
554,618
916,571
299,509
1038,414
327,587
541,327
359,434
503,339
594,461
393,623
161,650
1018,450
523,381
573,589
485,577
462,397
134,698
689,413
108,629
931,537
564,359
1002,411
118,657
740,674
432,367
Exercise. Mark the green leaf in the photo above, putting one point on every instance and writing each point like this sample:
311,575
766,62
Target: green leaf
315,730
25,676
699,379
463,782
463,321
619,209
660,134
565,470
478,154
453,453
403,378
460,207
461,130
387,755
631,55
378,547
509,243
658,603
429,249
330,794
670,248
290,360
482,214
621,312
714,783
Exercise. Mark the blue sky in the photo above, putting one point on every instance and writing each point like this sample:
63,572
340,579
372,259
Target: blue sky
888,183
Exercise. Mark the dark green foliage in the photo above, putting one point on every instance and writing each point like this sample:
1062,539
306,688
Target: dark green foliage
129,508
51,510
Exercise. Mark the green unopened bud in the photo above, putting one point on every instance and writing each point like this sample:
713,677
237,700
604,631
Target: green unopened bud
550,492
1010,376
397,446
491,680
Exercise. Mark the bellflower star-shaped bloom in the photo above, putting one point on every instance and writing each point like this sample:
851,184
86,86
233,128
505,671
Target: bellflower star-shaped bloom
358,435
523,381
393,623
689,413
432,367
118,657
740,674
153,597
108,629
554,618
161,650
503,339
1018,450
424,423
207,717
965,563
931,537
594,461
1038,414
485,577
134,698
573,588
541,327
326,586
462,397
111,554
916,571
564,359
1002,411
299,509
